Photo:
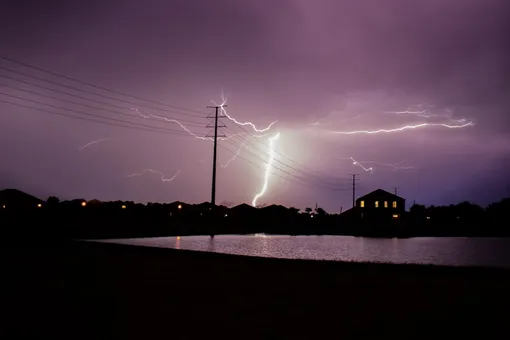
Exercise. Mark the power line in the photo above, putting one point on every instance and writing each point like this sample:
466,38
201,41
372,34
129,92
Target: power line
307,179
84,113
73,95
135,127
88,92
97,86
311,172
86,105
308,173
298,180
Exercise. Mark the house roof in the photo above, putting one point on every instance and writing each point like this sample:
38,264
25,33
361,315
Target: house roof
275,207
243,206
380,192
17,197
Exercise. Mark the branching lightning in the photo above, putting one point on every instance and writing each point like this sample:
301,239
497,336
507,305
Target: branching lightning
403,128
93,142
356,163
171,120
163,178
395,166
427,114
225,114
269,166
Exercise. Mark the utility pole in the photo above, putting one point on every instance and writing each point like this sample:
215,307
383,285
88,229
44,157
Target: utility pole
354,189
215,140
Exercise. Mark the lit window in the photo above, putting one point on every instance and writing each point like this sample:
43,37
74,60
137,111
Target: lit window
39,205
362,204
394,204
123,206
377,204
395,216
385,204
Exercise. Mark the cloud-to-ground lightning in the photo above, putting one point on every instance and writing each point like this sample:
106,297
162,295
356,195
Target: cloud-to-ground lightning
163,177
269,166
93,142
403,128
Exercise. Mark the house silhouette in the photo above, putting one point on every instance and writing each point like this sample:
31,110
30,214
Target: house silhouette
378,205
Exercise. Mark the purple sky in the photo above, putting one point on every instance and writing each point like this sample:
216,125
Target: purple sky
317,67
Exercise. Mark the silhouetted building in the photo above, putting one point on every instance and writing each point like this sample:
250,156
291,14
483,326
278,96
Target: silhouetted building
380,204
15,199
243,211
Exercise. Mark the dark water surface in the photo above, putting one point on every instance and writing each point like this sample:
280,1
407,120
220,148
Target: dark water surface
451,251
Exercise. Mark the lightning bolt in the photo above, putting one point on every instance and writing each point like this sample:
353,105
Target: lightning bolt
356,163
225,114
171,120
163,178
426,114
93,142
396,166
403,128
269,166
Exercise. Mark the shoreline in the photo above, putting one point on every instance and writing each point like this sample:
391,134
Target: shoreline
125,291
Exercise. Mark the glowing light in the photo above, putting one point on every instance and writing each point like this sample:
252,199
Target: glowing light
179,206
225,114
163,178
395,215
123,206
3,206
269,166
83,204
39,205
403,128
93,142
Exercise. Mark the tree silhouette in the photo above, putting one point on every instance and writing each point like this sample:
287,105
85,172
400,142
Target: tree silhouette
321,212
53,201
308,210
294,210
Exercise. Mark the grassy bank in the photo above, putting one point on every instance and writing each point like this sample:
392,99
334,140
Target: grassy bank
90,290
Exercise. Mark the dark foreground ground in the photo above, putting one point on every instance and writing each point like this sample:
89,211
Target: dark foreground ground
91,291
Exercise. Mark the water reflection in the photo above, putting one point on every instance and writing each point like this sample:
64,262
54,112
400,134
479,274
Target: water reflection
444,251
